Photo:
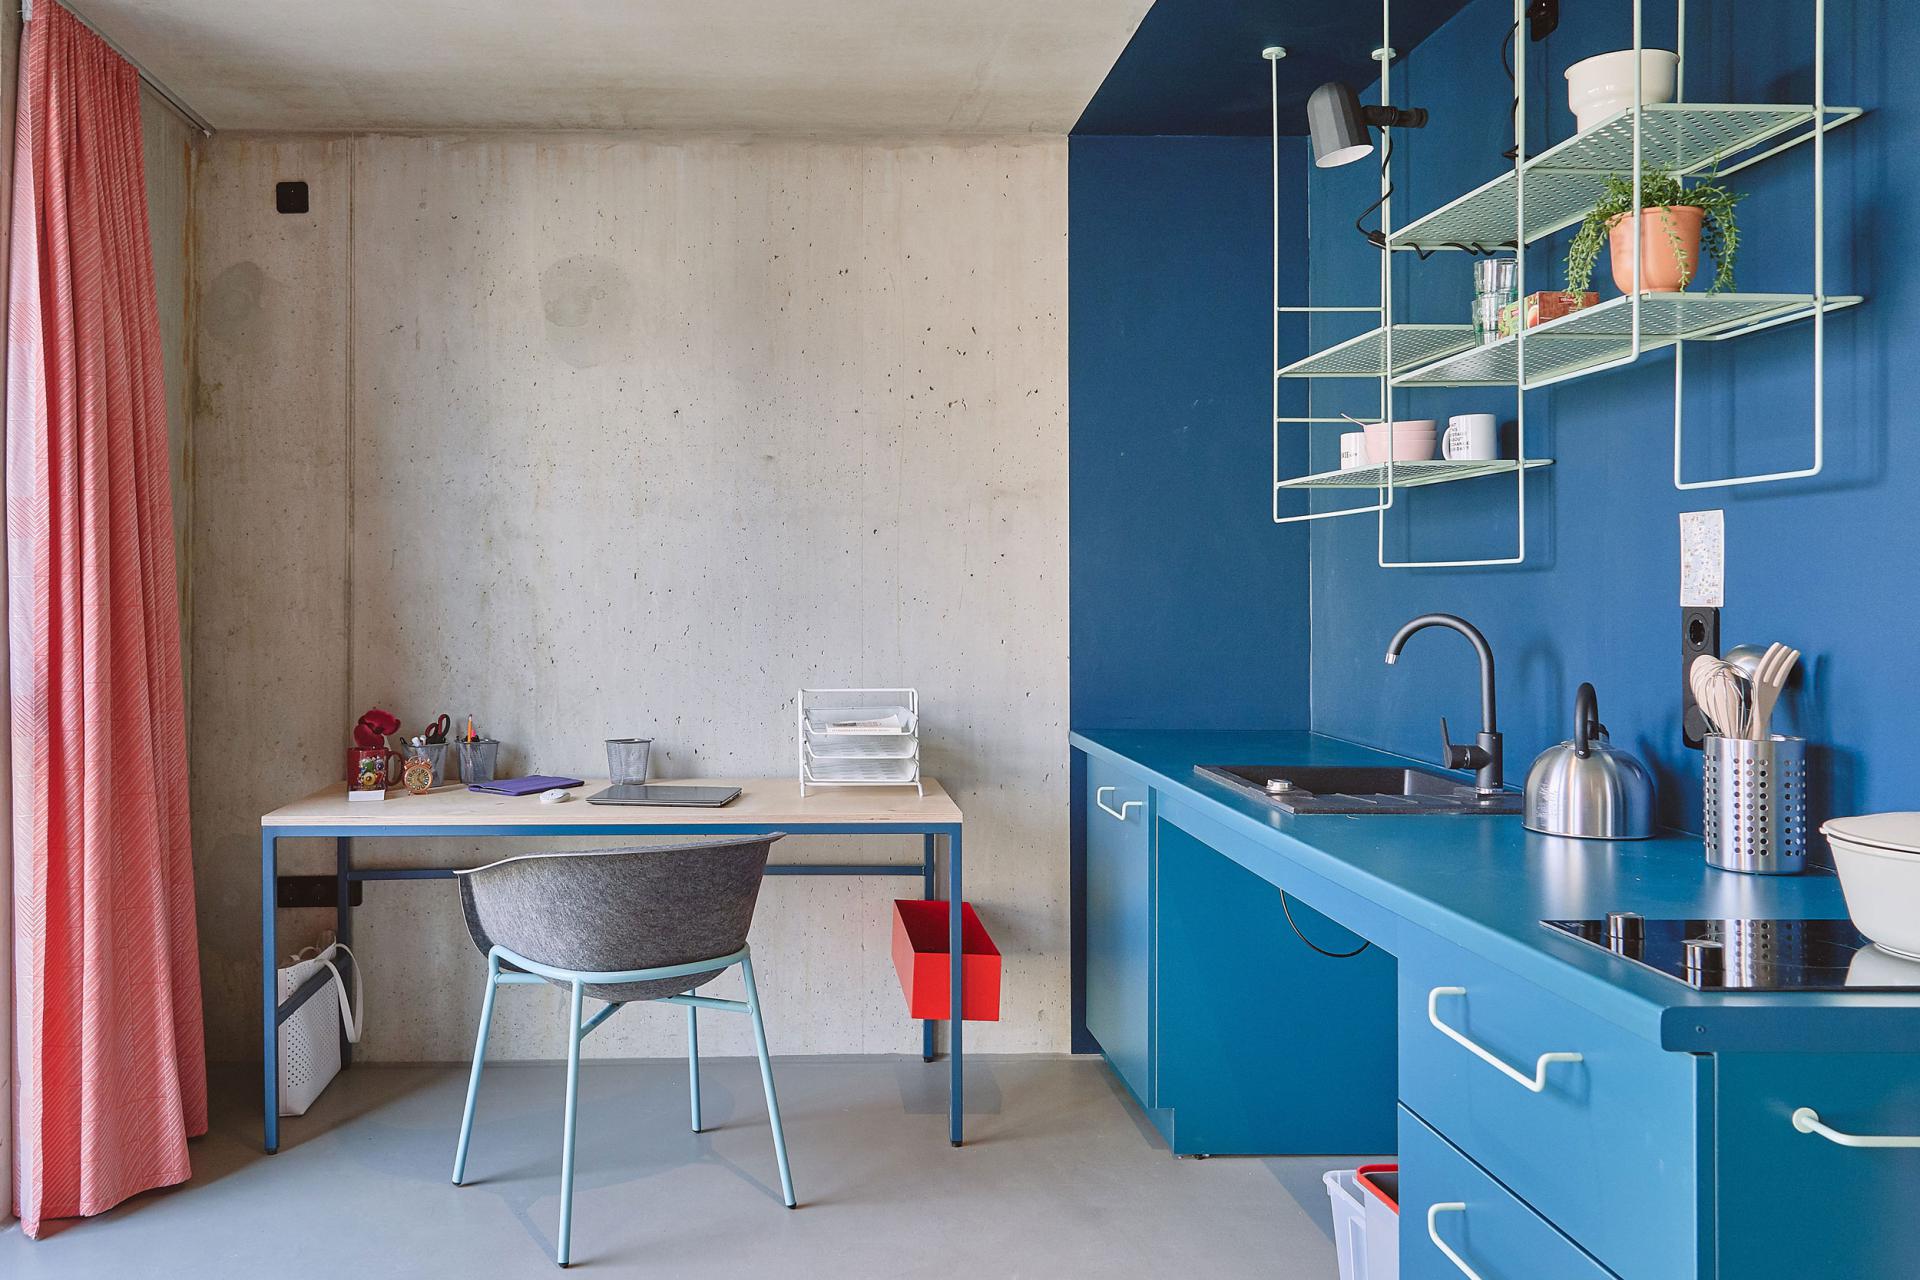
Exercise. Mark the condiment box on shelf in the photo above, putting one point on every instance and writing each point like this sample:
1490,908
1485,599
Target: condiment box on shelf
1542,307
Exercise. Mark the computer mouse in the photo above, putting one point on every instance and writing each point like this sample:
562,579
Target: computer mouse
555,796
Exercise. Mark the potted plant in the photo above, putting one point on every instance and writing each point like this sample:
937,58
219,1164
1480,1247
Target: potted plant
1676,221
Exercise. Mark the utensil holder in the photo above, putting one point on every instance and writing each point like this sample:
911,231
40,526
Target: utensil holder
1756,804
479,758
436,753
627,759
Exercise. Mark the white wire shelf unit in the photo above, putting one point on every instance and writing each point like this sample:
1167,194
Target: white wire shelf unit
1601,335
1410,475
1544,194
1365,356
1566,180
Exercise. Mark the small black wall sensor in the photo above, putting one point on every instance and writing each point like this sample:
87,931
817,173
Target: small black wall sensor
290,197
1542,17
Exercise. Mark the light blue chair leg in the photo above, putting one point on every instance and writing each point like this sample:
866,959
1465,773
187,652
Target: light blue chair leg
693,1062
564,1254
473,1081
766,1078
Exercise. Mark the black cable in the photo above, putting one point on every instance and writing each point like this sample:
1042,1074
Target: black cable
1331,955
1378,239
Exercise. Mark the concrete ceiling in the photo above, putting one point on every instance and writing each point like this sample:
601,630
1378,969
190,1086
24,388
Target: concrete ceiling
836,67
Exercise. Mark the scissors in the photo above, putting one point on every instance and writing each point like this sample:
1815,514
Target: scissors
437,730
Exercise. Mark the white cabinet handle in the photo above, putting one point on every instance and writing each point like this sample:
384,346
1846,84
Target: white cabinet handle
1100,798
1807,1120
1537,1082
1433,1233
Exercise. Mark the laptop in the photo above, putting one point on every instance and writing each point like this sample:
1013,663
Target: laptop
661,794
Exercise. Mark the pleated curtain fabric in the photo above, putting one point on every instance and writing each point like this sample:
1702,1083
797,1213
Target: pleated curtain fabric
107,1024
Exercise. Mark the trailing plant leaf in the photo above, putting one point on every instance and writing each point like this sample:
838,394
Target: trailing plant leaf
1719,231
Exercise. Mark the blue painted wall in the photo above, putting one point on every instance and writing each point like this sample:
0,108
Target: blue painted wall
1188,607
1827,565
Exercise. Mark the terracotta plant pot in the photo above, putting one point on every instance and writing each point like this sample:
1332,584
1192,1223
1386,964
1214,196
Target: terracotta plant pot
1664,267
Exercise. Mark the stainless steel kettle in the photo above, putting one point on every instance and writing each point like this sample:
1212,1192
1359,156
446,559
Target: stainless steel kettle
1585,787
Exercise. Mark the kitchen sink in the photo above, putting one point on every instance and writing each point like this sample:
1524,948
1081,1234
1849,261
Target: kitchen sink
1358,789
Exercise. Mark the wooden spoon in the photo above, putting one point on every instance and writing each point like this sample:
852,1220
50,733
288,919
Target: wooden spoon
1769,678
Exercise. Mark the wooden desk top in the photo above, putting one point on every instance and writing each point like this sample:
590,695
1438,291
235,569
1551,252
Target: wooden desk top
762,802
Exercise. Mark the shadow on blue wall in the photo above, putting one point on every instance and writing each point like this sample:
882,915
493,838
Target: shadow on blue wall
1189,609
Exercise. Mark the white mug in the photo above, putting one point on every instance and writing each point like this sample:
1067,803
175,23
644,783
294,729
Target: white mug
1471,437
1353,450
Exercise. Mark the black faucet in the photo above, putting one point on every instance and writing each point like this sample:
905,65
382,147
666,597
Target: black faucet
1484,756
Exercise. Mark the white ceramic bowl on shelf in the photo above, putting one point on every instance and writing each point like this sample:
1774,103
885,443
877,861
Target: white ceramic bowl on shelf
1412,441
1878,858
1602,86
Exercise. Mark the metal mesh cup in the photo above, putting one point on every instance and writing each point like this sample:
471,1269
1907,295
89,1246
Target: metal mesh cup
436,754
627,759
478,759
1756,804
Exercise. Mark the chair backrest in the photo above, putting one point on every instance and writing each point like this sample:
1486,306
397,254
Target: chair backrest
620,909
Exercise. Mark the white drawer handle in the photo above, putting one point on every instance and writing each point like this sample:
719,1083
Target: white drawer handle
1807,1120
1433,1233
1100,798
1537,1082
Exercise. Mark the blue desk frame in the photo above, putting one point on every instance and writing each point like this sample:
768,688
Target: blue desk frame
274,1011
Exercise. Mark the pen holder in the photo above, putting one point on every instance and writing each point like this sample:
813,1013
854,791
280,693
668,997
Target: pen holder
478,759
627,759
1756,804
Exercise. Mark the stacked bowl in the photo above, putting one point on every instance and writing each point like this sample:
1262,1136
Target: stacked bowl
1411,441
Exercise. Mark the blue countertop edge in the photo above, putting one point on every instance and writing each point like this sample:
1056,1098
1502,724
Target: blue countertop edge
1485,883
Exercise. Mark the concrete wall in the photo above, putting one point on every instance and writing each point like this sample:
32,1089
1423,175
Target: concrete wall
593,436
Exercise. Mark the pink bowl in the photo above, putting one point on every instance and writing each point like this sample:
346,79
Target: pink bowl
1412,441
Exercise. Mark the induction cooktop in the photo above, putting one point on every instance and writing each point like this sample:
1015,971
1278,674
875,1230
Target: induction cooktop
1750,955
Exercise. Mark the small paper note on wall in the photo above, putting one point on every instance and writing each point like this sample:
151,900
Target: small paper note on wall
1703,570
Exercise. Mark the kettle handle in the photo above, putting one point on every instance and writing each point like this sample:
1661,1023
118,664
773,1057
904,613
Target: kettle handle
1586,720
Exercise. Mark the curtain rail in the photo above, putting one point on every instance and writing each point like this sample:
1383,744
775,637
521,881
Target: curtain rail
147,77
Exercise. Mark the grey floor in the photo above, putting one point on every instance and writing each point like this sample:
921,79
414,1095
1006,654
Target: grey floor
1061,1177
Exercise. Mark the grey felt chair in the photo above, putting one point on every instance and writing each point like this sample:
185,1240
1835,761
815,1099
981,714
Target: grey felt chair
620,926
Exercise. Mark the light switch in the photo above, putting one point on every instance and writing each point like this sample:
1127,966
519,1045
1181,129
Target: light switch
1703,559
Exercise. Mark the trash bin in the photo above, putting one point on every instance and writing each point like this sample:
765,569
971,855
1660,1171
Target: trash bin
1349,1222
1366,1220
1380,1190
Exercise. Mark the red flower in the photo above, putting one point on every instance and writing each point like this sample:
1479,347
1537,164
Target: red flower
374,727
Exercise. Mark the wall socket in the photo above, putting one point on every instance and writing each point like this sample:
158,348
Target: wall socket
1699,633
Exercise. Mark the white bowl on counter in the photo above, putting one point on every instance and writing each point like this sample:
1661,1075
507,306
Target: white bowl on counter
1413,441
1878,858
1601,87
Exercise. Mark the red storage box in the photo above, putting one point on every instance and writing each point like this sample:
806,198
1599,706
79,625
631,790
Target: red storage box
921,959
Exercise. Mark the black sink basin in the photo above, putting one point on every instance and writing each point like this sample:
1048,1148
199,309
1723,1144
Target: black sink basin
1358,789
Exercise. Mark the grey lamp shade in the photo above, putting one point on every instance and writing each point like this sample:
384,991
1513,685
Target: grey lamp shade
1334,122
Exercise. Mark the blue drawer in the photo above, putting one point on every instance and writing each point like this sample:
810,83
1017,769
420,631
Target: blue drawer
1611,1146
1449,1205
1119,913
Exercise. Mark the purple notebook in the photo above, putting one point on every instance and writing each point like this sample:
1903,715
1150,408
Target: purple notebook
524,786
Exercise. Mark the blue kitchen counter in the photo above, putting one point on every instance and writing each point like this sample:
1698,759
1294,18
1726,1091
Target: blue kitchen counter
1485,883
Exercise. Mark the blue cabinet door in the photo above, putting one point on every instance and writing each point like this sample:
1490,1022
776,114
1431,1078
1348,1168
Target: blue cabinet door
1263,1045
1119,914
1797,1204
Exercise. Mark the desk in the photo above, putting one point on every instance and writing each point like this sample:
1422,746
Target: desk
765,805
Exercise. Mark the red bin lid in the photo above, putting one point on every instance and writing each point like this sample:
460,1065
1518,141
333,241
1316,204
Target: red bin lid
1383,1181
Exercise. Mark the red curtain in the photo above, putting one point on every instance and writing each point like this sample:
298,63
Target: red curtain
111,1073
